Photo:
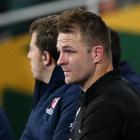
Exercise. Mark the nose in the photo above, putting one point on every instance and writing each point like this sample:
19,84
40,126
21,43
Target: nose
29,55
61,60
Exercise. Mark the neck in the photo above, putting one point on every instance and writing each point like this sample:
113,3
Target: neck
101,69
47,74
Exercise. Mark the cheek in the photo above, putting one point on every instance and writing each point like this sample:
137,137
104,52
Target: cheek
36,63
77,68
84,66
74,64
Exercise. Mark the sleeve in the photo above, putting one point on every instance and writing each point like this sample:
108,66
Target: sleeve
26,135
103,123
69,107
5,130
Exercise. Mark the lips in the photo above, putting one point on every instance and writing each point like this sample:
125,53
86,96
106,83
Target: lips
65,70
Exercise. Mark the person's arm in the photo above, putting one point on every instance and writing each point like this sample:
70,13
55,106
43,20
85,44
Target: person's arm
5,130
104,123
69,107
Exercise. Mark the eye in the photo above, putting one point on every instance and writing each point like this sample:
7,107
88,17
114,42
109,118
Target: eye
68,51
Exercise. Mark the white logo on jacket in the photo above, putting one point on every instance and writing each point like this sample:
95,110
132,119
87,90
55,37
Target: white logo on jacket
53,105
54,102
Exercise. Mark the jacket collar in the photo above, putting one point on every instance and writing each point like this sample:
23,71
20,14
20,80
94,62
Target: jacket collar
57,79
96,89
41,88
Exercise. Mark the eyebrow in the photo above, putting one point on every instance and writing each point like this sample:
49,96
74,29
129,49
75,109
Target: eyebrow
65,47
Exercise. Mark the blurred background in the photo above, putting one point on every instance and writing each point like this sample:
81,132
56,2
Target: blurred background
16,83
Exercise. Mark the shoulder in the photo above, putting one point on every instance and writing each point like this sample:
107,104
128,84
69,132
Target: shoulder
122,94
70,96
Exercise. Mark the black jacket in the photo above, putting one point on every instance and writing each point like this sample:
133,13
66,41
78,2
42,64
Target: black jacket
110,110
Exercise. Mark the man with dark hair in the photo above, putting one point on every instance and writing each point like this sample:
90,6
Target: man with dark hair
110,106
126,69
55,102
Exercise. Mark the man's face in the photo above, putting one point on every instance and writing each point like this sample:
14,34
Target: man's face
77,63
35,57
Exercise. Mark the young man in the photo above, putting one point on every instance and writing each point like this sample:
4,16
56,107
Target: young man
55,102
110,107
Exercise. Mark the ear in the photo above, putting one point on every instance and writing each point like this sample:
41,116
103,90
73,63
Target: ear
46,58
97,53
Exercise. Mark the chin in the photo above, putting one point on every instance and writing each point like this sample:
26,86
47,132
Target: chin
69,81
35,77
